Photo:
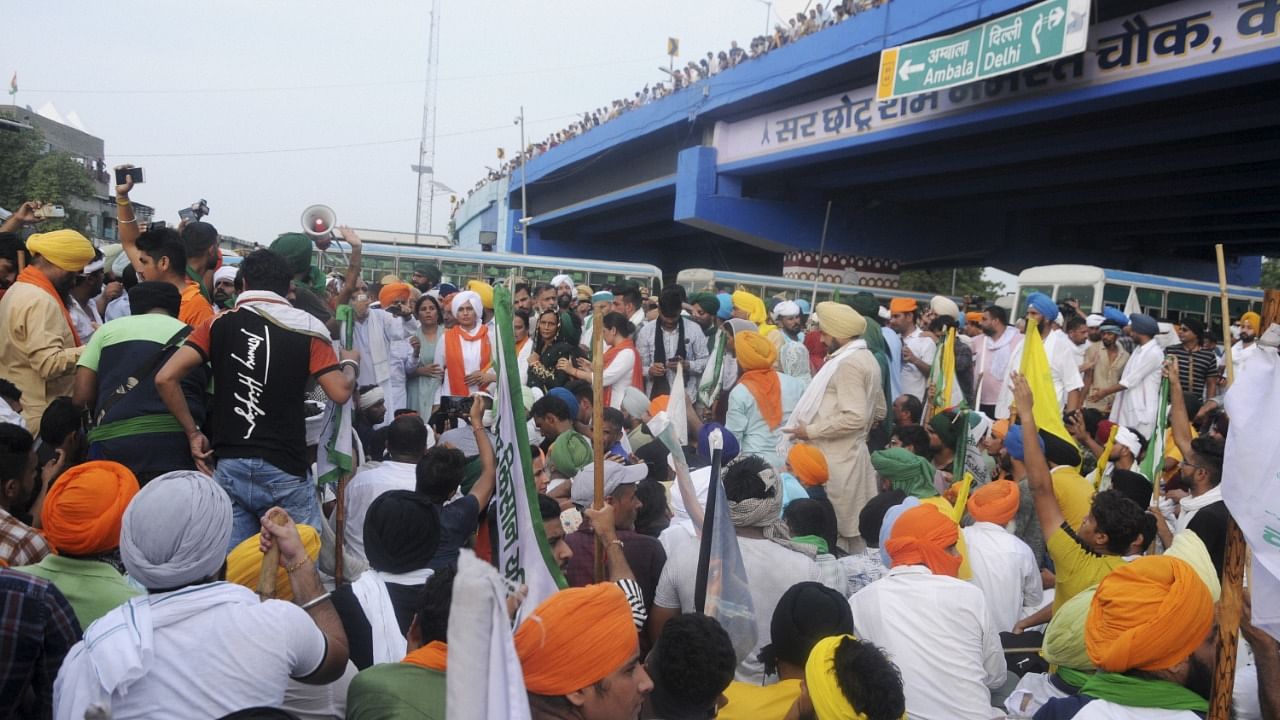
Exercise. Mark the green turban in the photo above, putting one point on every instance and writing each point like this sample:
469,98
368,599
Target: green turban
866,305
570,453
947,428
297,250
906,471
709,303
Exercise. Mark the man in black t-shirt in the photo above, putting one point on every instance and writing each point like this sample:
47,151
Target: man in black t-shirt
262,354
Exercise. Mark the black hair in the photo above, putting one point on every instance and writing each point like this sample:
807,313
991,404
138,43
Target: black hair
1092,418
806,516
433,605
630,294
1209,451
914,408
655,454
998,313
265,270
1075,322
198,237
541,288
550,405
10,245
692,663
670,303
914,438
805,614
618,321
60,419
581,389
1058,451
9,391
523,315
1120,518
440,473
613,416
406,435
423,298
164,242
652,518
941,323
15,447
871,519
742,479
129,277
152,295
520,286
549,509
869,681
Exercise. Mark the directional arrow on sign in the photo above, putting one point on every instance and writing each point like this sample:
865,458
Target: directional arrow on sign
909,68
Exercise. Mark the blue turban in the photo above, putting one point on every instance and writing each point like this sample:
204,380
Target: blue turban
726,306
568,399
1043,304
731,447
886,527
1013,443
1115,316
804,306
447,289
1144,324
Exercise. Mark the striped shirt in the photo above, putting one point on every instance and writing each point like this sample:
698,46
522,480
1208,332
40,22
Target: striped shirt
1194,367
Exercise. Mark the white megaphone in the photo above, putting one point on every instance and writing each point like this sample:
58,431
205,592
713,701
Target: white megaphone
318,221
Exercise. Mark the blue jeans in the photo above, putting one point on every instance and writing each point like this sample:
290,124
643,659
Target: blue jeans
255,486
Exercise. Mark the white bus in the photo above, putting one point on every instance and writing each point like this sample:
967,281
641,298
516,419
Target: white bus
696,280
459,266
1157,296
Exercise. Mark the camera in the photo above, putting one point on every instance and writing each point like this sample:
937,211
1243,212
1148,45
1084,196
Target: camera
123,174
48,212
457,406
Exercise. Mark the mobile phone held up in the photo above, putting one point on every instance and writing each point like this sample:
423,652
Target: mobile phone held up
130,172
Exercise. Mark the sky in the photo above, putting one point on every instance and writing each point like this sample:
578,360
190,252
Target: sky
264,108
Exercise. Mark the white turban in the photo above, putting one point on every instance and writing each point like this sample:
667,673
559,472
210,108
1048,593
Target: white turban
1129,439
372,397
634,403
225,273
176,530
786,308
1094,320
467,296
559,280
119,264
945,306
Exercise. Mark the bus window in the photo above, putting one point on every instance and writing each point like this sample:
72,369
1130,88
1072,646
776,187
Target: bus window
459,273
1082,293
1025,291
1151,301
1115,295
1186,305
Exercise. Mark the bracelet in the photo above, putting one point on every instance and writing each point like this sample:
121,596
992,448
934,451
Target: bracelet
133,220
349,363
290,569
122,202
617,542
314,601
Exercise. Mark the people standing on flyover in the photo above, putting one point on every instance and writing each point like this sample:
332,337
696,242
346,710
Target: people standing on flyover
836,413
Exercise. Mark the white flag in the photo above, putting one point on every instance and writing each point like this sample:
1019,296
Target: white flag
1251,477
485,678
523,556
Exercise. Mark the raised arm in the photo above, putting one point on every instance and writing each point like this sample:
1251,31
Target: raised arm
1038,476
483,488
352,278
126,220
1178,420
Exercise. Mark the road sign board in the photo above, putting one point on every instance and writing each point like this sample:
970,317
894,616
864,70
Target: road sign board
1045,31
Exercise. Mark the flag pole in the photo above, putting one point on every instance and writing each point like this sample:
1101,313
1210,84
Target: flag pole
822,248
597,427
1226,314
716,441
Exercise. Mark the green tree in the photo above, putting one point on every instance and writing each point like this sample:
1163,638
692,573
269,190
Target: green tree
20,151
1270,273
56,178
968,281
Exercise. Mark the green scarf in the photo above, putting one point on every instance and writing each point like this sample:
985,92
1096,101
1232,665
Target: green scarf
813,540
1074,678
709,386
1139,692
906,471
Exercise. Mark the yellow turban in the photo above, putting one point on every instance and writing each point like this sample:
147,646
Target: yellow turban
484,290
1064,638
1148,615
752,306
995,502
585,292
829,701
394,292
244,563
1252,319
575,638
754,351
1188,546
809,464
840,321
66,249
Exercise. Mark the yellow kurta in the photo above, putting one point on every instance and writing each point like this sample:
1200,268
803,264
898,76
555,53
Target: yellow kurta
852,403
38,353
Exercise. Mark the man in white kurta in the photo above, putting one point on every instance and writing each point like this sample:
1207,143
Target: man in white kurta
837,411
1137,404
1067,380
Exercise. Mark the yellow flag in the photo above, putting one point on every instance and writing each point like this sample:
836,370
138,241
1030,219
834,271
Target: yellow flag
1035,368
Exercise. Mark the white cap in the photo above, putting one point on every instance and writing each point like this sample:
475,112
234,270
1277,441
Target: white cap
1094,320
786,308
615,474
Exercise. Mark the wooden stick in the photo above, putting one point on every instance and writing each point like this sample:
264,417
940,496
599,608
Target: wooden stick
1226,314
339,529
270,565
1230,608
597,426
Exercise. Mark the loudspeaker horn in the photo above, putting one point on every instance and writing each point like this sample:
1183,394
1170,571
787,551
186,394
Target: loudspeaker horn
318,221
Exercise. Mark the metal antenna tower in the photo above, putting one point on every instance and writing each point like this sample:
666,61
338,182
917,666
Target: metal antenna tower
427,144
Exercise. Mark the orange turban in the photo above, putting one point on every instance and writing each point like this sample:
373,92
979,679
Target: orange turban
658,404
394,292
754,351
1000,428
1148,615
996,502
921,536
575,638
902,305
973,317
809,464
84,508
244,563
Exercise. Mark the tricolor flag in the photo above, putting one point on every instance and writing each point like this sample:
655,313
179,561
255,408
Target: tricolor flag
521,549
1152,467
13,84
1035,368
338,458
1251,478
